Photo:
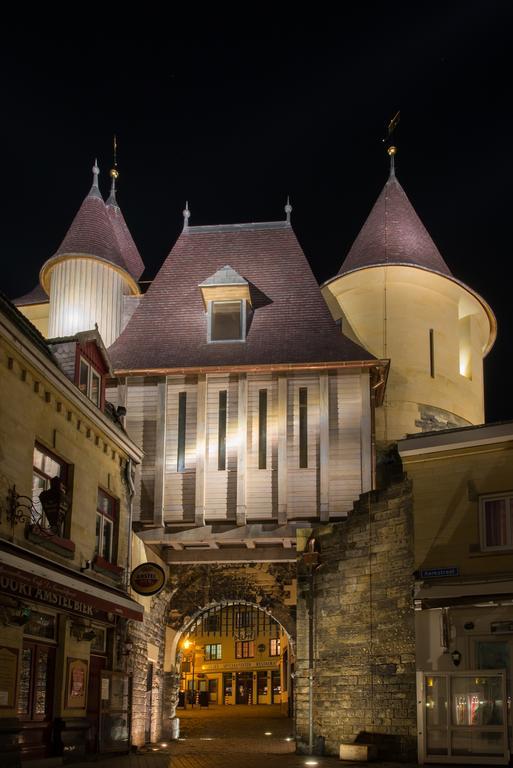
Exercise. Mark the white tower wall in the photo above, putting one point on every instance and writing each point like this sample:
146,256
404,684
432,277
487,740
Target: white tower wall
85,291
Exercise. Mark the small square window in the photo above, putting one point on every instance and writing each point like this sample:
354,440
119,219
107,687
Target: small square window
227,320
89,381
496,522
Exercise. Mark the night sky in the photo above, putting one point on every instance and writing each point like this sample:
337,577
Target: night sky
233,117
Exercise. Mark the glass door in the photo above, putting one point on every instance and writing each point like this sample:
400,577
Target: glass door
115,713
463,717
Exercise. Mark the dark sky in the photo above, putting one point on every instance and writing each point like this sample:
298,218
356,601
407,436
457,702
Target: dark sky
233,116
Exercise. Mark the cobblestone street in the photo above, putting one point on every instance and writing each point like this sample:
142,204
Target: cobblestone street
227,737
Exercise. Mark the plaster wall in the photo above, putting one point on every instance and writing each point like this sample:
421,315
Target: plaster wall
390,312
446,487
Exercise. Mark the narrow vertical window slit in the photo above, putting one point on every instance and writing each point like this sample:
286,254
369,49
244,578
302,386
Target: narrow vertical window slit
303,427
182,410
221,440
262,429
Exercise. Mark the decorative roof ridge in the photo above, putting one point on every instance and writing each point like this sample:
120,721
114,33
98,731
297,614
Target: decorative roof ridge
211,228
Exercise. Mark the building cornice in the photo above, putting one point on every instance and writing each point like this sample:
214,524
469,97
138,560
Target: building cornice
54,376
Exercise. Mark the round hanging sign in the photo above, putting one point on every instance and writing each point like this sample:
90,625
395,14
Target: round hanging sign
147,579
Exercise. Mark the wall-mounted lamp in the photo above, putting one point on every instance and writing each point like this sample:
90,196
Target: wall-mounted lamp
54,503
456,658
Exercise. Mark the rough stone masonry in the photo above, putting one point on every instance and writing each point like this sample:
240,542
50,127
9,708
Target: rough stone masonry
360,595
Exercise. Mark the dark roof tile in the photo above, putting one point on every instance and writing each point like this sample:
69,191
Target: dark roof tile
394,234
291,322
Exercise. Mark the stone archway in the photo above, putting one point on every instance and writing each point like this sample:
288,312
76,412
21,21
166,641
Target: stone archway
270,587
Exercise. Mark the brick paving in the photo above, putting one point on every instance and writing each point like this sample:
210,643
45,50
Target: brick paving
227,737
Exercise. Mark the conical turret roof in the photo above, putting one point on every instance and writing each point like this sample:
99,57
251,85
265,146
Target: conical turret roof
394,234
91,232
127,247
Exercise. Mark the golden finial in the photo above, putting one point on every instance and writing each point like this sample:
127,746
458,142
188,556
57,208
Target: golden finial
392,150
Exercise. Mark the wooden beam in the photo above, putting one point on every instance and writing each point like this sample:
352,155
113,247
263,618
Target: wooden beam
201,450
324,445
366,433
257,555
282,449
242,427
160,452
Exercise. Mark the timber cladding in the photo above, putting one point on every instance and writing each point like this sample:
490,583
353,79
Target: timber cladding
364,641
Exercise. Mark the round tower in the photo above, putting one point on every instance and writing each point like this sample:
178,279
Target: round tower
395,295
88,277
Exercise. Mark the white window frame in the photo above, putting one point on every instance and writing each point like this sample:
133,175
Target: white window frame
218,654
99,550
508,497
210,311
91,371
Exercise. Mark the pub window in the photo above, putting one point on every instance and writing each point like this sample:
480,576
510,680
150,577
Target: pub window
46,465
213,652
303,427
275,646
226,320
106,509
36,681
221,434
89,381
41,625
244,649
262,429
496,522
182,405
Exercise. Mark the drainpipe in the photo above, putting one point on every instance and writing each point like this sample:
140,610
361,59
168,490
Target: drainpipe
310,662
131,490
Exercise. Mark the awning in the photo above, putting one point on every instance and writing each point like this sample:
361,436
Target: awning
26,579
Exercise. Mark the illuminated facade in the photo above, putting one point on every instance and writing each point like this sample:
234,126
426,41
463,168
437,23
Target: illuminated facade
262,411
235,654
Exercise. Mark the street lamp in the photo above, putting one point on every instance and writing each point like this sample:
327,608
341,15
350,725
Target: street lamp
186,645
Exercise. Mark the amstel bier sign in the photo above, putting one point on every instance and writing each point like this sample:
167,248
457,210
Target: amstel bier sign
148,579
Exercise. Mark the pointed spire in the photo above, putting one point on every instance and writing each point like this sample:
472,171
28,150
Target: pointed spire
114,175
95,190
186,215
288,209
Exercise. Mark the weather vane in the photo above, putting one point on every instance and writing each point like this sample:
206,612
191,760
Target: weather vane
388,140
114,170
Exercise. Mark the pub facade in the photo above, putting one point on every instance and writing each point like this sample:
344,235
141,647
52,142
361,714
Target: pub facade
66,486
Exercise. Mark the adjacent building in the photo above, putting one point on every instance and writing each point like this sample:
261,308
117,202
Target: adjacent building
66,491
463,501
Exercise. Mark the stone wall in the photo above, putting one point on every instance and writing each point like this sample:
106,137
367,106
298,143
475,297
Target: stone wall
363,629
146,636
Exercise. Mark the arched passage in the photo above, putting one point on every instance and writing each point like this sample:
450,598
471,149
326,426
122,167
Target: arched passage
230,637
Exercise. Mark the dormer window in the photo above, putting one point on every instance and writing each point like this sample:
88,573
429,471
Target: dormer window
226,296
89,381
227,320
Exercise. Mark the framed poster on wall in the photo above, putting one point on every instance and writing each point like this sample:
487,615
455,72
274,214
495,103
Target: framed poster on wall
76,688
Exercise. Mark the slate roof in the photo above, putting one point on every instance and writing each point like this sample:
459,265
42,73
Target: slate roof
91,233
394,234
290,322
131,256
37,295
